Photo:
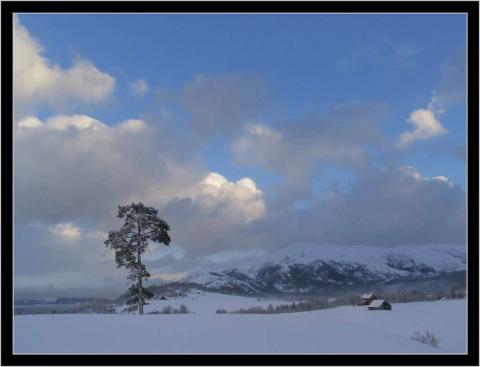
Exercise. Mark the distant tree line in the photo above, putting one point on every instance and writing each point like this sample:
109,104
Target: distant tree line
414,295
315,304
170,310
319,303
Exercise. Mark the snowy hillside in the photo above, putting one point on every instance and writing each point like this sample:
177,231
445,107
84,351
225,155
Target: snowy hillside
344,329
306,267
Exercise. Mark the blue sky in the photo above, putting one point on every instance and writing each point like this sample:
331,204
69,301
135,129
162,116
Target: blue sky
310,63
311,108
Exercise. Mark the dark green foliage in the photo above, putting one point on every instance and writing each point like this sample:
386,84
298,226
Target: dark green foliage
184,309
314,304
154,313
170,310
141,227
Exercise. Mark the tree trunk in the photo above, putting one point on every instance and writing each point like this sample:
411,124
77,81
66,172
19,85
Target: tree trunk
140,273
140,285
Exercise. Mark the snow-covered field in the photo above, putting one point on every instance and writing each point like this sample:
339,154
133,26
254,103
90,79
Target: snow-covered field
344,329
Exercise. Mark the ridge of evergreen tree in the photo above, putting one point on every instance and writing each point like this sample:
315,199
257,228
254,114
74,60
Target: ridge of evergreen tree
141,227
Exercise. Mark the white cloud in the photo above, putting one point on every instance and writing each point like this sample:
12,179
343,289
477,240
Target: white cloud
78,122
412,172
71,233
66,231
133,125
259,144
79,168
37,81
240,201
426,126
139,88
291,148
213,195
451,90
29,122
442,179
31,126
76,165
296,149
72,170
262,130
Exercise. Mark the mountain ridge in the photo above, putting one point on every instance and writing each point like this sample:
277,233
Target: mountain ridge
308,268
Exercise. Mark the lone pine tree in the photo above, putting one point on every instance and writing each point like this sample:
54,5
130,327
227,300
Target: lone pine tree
141,227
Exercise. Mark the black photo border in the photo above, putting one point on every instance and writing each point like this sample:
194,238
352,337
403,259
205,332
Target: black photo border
8,8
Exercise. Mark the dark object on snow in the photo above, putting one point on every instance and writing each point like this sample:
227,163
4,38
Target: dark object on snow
141,227
380,304
163,298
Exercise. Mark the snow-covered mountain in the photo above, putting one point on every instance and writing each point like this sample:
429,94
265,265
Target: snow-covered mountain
308,267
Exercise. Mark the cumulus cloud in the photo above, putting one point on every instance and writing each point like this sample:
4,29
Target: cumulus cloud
426,126
60,122
451,90
29,122
240,200
384,207
36,81
72,171
207,215
410,171
139,88
212,195
295,149
396,207
78,167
